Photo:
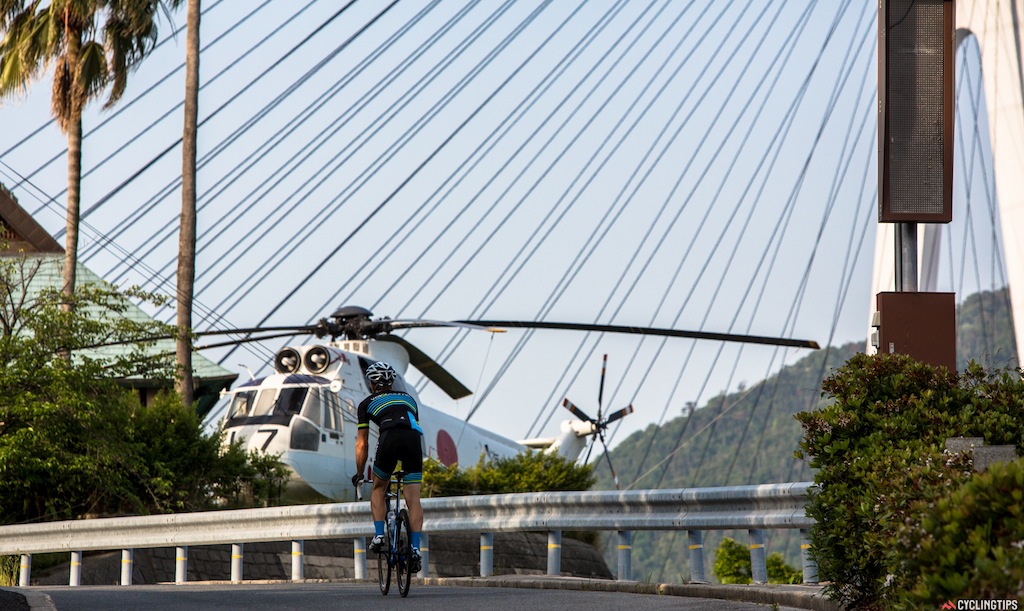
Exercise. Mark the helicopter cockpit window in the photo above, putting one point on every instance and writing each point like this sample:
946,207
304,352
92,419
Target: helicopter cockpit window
265,402
311,410
241,403
332,412
290,400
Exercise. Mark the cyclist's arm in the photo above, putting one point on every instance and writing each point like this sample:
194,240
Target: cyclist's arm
362,449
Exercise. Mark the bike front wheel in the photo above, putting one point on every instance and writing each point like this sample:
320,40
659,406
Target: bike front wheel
403,555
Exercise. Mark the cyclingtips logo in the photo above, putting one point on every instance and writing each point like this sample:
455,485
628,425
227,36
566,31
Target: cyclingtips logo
966,604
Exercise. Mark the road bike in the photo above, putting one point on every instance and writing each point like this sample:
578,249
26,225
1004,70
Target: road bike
396,553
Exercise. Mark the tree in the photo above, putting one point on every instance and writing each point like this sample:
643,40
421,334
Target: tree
187,232
92,45
76,442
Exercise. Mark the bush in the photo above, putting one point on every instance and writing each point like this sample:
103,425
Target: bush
732,565
780,572
970,543
525,472
732,562
878,448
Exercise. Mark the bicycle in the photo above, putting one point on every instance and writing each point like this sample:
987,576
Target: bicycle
396,553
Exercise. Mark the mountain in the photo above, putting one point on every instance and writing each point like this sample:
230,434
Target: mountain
750,436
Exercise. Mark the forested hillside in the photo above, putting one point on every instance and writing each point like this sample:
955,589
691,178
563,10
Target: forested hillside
750,436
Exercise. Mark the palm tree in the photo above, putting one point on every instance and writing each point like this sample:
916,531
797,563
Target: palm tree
187,232
92,45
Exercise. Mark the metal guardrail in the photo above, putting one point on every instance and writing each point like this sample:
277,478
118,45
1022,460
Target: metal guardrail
754,508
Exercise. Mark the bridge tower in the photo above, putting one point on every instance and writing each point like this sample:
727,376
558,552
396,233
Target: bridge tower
997,27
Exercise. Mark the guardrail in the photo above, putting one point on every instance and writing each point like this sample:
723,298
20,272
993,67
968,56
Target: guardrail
753,508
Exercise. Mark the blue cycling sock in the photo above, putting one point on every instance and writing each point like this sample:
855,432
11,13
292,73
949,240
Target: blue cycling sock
378,527
416,540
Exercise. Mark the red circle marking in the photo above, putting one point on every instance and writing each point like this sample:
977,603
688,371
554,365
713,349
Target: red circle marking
447,453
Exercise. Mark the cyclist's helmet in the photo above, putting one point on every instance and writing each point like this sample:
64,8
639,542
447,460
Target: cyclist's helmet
380,374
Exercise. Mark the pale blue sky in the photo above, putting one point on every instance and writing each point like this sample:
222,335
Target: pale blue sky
753,122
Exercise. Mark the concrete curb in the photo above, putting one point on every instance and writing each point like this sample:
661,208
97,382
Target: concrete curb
797,596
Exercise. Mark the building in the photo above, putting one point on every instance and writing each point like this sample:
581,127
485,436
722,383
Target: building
21,235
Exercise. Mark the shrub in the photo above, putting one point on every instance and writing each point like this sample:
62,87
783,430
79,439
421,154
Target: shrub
732,565
970,543
525,472
878,448
732,562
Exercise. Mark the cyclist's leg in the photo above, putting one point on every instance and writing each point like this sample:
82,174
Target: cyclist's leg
411,492
383,466
412,461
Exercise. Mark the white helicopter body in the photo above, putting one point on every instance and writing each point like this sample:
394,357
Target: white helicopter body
307,414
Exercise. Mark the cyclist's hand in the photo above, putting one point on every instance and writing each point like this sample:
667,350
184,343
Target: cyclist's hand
357,479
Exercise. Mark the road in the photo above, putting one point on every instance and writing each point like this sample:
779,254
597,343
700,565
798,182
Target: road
363,596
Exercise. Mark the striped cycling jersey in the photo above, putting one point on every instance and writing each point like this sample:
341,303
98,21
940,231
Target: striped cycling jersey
389,409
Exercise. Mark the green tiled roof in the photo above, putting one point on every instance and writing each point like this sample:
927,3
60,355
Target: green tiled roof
49,276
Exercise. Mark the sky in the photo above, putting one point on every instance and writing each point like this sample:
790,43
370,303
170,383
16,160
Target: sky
688,164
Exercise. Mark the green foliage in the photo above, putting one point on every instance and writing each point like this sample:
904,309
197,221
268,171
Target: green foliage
525,472
878,448
969,543
732,565
780,572
9,567
75,442
732,562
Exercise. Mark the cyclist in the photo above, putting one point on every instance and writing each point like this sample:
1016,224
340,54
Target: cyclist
395,413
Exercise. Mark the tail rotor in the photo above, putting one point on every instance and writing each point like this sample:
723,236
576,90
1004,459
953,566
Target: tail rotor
599,423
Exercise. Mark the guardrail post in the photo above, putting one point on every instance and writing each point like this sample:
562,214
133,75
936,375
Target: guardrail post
359,556
298,572
809,565
555,552
696,547
25,570
758,566
237,553
486,554
625,555
127,555
181,564
75,578
424,555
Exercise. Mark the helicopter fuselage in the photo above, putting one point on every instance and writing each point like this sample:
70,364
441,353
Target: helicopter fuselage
306,414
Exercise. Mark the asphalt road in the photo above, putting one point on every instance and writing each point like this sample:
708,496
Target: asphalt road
305,596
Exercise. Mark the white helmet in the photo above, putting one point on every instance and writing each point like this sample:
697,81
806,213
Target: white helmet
380,373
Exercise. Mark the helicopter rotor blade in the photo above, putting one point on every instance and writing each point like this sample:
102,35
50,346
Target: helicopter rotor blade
577,411
430,368
622,413
600,390
413,323
725,337
244,340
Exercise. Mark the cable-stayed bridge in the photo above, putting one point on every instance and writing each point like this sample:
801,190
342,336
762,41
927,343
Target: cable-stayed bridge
692,164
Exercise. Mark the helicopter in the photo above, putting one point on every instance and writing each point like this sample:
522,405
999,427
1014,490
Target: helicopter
306,411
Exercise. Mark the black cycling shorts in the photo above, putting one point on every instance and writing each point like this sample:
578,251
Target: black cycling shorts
399,445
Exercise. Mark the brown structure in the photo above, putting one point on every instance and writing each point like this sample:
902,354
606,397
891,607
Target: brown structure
19,232
916,96
920,325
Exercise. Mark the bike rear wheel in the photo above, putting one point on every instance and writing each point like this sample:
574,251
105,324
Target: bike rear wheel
403,557
384,564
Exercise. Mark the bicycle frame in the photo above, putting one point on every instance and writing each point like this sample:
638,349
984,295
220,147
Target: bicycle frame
396,554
